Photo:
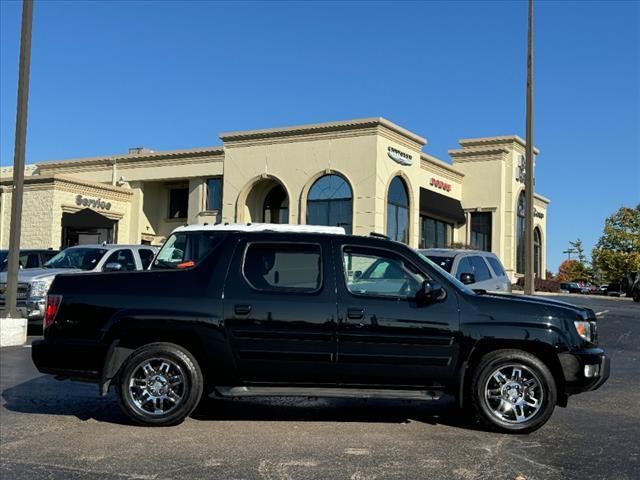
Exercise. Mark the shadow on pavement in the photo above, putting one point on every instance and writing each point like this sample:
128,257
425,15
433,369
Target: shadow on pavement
46,396
296,409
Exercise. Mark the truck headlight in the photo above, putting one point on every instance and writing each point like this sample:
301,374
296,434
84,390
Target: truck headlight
586,329
39,288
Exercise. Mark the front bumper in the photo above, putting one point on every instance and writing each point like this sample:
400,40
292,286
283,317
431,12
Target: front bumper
584,369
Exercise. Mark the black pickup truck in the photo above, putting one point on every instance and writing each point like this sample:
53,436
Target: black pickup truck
235,312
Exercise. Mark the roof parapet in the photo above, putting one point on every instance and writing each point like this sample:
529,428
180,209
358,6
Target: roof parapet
318,128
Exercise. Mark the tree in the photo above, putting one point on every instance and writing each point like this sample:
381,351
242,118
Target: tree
618,251
571,270
579,249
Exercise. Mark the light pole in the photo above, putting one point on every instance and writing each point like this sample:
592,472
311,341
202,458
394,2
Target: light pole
18,161
529,285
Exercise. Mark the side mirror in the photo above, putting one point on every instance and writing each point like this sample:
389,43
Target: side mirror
357,274
430,292
112,267
467,278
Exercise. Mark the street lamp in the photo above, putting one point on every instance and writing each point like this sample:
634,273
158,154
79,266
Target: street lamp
529,285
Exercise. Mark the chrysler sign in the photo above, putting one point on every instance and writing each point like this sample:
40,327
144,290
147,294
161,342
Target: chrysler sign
400,157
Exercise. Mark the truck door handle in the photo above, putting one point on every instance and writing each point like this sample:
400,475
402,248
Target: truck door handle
355,313
242,309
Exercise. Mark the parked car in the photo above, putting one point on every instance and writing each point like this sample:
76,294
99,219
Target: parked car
631,285
602,290
614,290
570,287
237,311
34,283
28,258
635,291
475,268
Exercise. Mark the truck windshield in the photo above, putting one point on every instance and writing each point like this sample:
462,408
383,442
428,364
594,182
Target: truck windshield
77,257
186,249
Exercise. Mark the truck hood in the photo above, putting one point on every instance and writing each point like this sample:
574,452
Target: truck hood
30,274
541,301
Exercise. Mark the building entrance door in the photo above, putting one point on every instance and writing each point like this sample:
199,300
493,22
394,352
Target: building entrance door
87,227
266,202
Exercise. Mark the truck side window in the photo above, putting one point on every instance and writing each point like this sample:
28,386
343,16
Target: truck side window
480,269
368,272
124,257
283,267
464,266
146,256
497,267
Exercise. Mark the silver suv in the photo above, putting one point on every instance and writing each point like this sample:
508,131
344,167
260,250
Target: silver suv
475,268
34,283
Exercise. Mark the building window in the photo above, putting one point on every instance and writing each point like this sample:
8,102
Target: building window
398,211
435,233
520,233
214,194
276,206
178,202
537,253
481,231
330,202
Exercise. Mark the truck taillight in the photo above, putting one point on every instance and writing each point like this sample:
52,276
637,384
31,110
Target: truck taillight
51,309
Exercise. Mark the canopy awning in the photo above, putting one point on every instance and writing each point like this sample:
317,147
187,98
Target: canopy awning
86,218
433,204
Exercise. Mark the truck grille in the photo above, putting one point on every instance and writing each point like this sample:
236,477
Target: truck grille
23,292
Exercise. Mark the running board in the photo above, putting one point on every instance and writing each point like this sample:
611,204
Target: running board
366,393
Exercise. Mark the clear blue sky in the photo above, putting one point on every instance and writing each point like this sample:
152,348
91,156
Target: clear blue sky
110,75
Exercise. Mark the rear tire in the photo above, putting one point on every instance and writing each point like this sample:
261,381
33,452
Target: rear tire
160,384
513,391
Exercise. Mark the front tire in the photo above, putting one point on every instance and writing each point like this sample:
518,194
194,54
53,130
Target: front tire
160,384
513,391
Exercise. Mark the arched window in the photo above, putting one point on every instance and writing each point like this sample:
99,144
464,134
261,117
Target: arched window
276,206
520,233
330,202
398,211
537,253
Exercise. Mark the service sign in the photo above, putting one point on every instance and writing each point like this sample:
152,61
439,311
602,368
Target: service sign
92,202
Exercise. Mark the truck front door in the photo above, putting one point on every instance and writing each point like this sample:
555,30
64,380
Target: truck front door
384,336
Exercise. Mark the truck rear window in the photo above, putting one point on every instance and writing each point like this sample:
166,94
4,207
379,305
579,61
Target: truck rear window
186,249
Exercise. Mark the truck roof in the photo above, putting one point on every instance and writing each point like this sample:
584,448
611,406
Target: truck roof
262,227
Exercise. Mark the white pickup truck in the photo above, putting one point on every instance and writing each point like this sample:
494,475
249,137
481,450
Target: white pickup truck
34,283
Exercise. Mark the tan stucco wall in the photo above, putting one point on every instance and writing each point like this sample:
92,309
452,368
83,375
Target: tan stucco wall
45,202
296,165
490,184
35,227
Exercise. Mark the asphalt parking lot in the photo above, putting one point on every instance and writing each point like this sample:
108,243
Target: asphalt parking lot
62,430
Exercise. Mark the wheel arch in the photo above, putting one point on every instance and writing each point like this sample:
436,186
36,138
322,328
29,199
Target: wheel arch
543,351
123,342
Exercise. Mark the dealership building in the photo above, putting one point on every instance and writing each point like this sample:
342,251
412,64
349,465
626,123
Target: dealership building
366,175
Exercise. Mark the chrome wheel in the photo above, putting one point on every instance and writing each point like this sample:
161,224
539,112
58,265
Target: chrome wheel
156,386
513,393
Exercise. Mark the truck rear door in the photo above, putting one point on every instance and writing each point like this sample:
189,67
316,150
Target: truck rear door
280,309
